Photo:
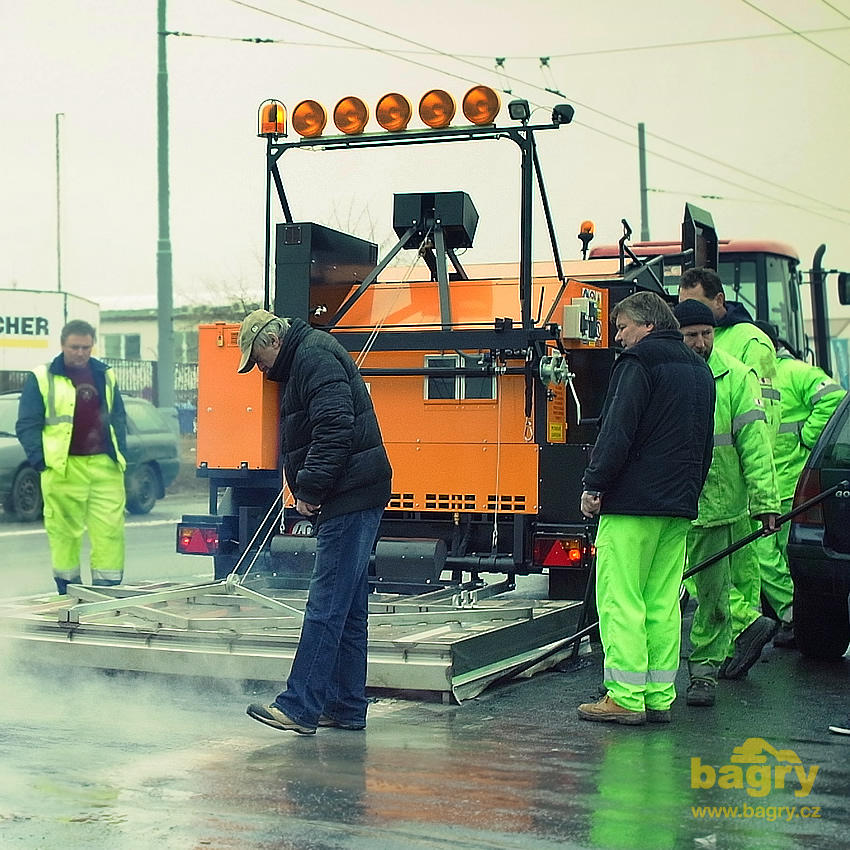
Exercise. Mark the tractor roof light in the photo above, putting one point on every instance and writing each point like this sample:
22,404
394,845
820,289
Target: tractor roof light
271,119
437,108
585,234
309,119
351,115
393,112
481,105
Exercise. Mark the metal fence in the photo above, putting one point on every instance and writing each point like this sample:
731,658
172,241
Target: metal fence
135,377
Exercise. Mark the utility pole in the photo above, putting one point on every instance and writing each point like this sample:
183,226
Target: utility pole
57,116
644,200
165,296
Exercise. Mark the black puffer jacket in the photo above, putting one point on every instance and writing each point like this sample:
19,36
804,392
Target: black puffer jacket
655,445
333,454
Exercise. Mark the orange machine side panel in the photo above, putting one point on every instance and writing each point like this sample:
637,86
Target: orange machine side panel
454,454
463,477
237,414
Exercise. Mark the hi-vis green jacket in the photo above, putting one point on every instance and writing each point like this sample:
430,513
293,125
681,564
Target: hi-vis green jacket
742,477
737,335
809,398
46,414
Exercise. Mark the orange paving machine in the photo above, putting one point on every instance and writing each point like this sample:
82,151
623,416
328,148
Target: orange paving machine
487,380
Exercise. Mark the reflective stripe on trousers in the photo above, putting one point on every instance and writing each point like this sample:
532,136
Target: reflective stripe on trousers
640,560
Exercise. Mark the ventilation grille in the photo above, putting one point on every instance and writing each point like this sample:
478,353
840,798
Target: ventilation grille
507,504
449,502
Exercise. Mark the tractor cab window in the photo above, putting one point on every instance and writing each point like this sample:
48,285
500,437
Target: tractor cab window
780,311
454,386
739,283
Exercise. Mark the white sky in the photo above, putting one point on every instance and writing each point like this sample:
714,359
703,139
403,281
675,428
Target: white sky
758,101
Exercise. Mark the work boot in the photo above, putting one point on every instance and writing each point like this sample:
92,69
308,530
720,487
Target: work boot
607,711
784,637
658,715
748,647
701,692
272,716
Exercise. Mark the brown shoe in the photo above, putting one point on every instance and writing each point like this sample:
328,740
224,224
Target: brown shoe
607,711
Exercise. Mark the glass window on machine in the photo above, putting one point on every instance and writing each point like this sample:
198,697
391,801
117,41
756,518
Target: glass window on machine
739,283
453,386
442,386
778,290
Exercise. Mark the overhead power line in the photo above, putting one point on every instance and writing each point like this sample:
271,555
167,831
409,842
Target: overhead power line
805,38
397,54
836,9
577,54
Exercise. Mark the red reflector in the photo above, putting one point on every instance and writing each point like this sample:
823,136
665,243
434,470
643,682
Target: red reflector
808,486
197,541
558,552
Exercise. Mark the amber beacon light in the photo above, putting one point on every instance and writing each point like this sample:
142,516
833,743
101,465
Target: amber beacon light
309,119
272,119
436,109
351,116
481,105
393,112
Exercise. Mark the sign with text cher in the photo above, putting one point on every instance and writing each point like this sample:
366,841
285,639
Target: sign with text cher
31,323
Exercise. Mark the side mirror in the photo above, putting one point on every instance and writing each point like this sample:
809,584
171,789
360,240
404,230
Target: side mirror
844,287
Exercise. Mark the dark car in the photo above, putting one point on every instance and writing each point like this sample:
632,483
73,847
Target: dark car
819,545
153,460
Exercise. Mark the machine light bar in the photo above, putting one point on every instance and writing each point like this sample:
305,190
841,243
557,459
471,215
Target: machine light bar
437,108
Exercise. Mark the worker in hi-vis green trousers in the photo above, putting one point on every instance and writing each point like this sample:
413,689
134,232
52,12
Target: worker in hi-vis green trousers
72,425
643,481
809,397
736,334
741,483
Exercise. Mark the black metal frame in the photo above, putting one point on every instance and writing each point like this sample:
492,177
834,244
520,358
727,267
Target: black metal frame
522,136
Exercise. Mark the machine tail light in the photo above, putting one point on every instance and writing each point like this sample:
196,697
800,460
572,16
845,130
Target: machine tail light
808,486
553,551
197,539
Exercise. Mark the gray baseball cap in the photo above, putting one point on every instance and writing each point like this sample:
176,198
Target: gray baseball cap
251,326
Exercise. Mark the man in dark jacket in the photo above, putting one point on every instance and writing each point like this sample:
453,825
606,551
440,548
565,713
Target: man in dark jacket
644,479
338,472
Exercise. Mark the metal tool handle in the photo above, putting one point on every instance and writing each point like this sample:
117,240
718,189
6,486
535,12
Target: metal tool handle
762,532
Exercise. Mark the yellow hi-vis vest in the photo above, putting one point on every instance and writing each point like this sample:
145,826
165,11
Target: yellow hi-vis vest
60,399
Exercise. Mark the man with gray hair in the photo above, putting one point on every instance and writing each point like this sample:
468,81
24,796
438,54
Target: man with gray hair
339,474
644,478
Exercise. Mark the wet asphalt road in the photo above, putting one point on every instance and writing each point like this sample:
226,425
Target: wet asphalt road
90,760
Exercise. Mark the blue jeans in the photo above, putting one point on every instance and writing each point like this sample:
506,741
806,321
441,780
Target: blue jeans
328,674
